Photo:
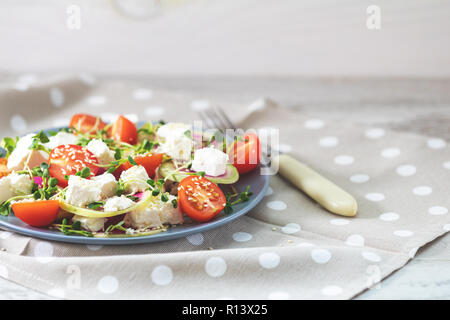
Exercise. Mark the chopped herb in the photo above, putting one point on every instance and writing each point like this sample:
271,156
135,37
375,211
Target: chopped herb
96,205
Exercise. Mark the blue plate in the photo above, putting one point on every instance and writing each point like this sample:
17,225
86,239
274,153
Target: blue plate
258,185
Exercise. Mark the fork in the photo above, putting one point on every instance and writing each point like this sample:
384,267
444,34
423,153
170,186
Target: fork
323,191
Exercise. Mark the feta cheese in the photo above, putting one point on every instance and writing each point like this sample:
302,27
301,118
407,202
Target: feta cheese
21,184
175,142
107,184
61,138
5,189
210,160
155,215
101,151
81,192
117,204
91,224
135,179
18,158
15,185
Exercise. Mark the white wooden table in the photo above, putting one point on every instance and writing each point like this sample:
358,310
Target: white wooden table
421,106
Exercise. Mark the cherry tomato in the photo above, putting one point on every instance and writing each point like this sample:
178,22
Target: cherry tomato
36,213
124,130
86,123
245,153
68,159
149,161
200,198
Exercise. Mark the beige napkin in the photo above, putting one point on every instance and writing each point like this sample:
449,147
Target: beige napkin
286,248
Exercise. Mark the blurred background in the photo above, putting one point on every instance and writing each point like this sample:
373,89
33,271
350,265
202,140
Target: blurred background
227,37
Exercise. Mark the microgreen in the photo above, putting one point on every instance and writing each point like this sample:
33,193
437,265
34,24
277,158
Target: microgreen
84,173
96,205
9,144
242,197
115,227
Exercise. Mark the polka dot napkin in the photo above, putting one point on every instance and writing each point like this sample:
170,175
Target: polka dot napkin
288,247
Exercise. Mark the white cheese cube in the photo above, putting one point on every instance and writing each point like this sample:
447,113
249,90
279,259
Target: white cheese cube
91,224
81,192
143,218
135,179
21,184
107,184
155,215
21,154
117,204
101,151
61,138
170,215
5,189
210,160
175,142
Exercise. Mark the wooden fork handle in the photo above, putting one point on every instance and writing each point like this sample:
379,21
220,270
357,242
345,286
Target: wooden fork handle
322,190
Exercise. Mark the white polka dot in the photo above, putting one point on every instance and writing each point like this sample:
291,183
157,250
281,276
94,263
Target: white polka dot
269,191
291,228
195,239
24,82
133,117
56,97
412,252
436,143
43,252
215,267
446,227
279,295
5,234
355,240
276,205
359,178
154,111
57,293
18,123
109,117
269,260
284,148
3,272
96,100
94,247
242,236
374,196
339,222
200,105
87,79
403,233
446,165
328,142
389,216
437,210
374,133
422,190
108,284
142,94
162,275
320,256
371,256
390,152
314,124
332,291
61,122
344,160
406,170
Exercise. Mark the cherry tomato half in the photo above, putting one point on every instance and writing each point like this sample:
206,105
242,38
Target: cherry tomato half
200,198
36,213
124,130
86,123
244,153
68,159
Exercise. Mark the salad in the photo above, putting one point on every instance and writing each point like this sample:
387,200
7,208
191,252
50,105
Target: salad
96,179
